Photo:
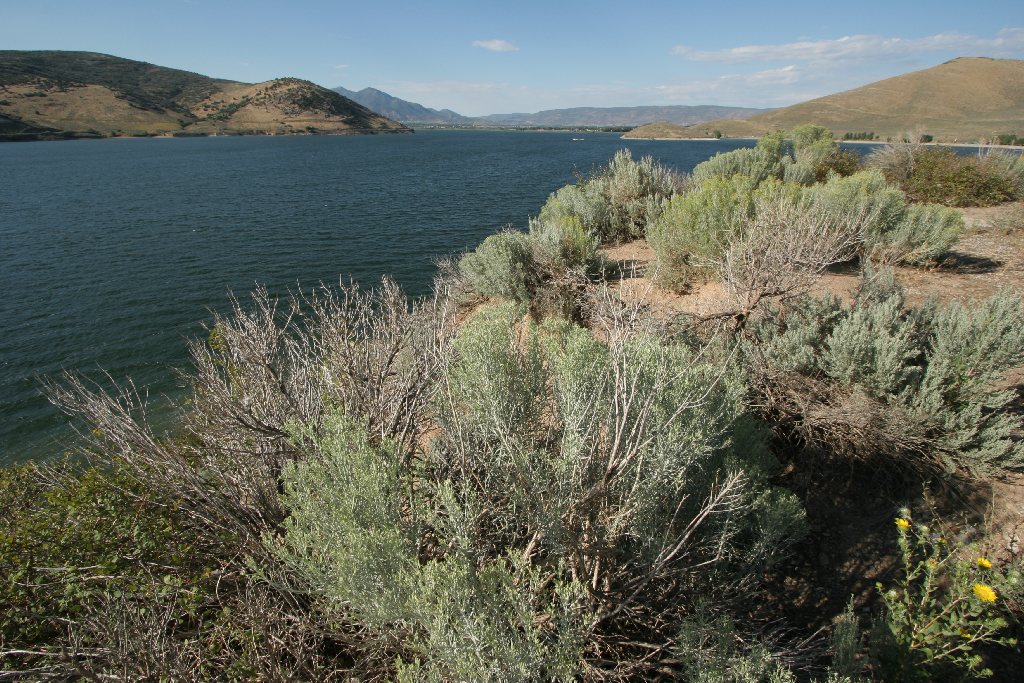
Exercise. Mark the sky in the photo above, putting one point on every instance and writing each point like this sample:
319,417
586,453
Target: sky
481,57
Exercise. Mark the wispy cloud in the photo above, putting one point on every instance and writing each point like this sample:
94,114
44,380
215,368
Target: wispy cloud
341,66
495,45
1009,41
769,87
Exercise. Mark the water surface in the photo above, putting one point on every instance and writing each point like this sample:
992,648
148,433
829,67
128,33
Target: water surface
113,252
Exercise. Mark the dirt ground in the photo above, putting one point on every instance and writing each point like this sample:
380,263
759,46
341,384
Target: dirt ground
852,544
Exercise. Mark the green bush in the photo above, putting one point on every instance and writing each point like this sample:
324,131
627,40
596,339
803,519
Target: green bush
923,234
876,379
806,160
73,544
502,266
799,172
562,464
696,228
865,194
619,201
1009,166
844,162
562,243
756,163
893,231
582,202
941,176
812,144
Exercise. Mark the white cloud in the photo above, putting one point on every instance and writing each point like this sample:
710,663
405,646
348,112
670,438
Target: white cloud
341,66
767,88
496,45
1008,41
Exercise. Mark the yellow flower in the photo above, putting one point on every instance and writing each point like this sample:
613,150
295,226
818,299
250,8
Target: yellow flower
965,634
984,563
984,592
902,523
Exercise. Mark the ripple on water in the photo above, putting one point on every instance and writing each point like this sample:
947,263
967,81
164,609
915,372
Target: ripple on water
112,252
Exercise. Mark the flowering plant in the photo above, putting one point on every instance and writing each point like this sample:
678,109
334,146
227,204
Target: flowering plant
945,604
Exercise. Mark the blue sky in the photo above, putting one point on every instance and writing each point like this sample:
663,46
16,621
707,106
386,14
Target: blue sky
487,57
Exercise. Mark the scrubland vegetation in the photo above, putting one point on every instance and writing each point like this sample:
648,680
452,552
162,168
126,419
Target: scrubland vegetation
523,477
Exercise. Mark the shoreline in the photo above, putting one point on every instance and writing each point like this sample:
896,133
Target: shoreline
843,142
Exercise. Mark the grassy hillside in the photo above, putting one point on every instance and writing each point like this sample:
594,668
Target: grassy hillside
964,100
53,94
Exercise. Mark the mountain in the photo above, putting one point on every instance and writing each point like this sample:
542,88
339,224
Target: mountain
411,112
965,99
402,110
57,94
623,116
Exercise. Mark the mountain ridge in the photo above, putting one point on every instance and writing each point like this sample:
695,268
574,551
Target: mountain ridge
46,94
414,113
624,116
401,110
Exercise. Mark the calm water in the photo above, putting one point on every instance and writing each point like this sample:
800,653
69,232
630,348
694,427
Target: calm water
113,252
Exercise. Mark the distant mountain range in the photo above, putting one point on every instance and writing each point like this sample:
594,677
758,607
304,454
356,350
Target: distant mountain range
57,94
623,116
968,99
414,113
402,110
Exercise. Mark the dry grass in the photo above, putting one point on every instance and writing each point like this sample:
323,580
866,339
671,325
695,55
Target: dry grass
969,99
277,106
82,108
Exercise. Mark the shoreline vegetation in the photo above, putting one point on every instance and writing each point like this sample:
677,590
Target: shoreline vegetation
981,145
529,475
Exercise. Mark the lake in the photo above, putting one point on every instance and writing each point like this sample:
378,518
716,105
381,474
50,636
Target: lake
113,252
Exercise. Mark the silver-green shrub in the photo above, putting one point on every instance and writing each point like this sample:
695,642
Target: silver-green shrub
874,378
865,194
561,243
893,230
575,488
923,234
452,615
763,243
502,266
757,163
809,135
696,228
773,157
619,201
800,172
583,202
812,145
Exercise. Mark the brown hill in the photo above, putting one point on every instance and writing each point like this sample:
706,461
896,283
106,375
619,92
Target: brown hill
51,94
968,99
